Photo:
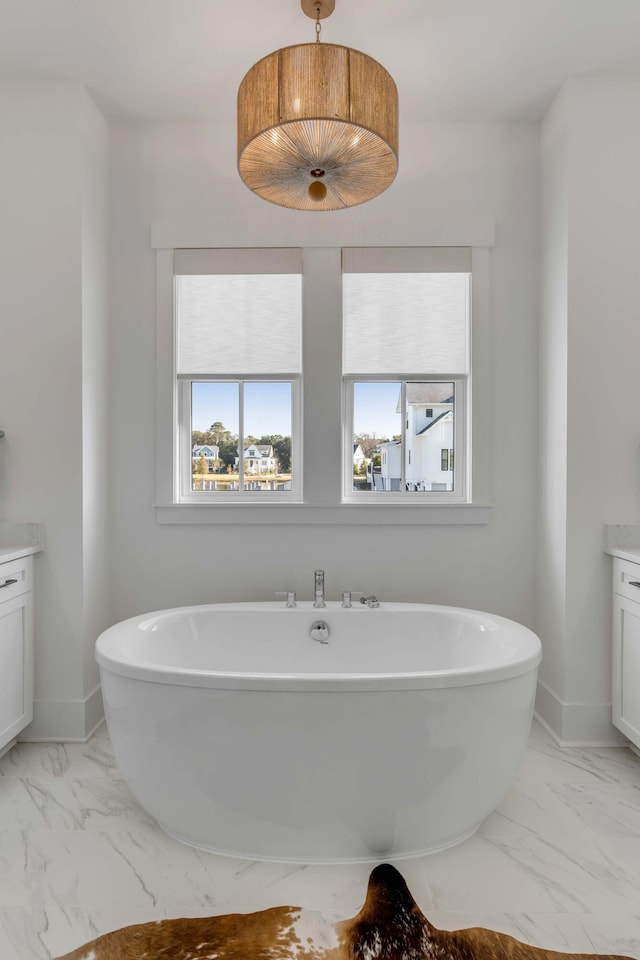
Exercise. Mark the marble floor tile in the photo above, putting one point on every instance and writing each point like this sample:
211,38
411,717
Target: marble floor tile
547,761
37,760
556,865
92,759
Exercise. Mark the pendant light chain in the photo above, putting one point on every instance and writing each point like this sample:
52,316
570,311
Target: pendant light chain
318,24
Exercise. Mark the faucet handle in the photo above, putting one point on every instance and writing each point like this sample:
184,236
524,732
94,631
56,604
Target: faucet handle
348,595
290,595
371,601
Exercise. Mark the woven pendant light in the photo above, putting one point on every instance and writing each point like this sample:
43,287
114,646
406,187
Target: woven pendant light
317,124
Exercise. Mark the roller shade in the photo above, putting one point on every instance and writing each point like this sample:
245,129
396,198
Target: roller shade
406,310
238,312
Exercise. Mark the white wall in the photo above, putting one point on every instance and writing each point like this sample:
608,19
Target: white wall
449,174
552,346
55,346
591,343
94,159
59,299
52,275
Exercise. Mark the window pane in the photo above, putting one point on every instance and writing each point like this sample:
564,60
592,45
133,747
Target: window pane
429,437
376,436
267,432
214,435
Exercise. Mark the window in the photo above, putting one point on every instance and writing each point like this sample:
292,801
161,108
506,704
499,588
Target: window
406,321
446,460
238,318
385,335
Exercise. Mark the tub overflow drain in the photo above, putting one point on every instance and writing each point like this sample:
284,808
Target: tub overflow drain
319,631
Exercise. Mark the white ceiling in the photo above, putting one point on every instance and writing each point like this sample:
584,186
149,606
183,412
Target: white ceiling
182,60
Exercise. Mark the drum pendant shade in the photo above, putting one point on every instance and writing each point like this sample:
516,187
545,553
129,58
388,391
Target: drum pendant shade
317,127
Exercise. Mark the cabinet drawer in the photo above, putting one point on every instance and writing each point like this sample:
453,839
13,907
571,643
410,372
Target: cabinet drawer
626,579
16,576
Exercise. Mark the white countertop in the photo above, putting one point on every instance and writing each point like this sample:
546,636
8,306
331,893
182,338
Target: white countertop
14,553
625,553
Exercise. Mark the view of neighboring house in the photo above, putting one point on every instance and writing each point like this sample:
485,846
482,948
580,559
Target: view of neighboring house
429,441
211,454
358,458
258,459
388,477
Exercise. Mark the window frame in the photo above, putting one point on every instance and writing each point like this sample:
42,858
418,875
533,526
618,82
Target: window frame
185,494
324,503
459,495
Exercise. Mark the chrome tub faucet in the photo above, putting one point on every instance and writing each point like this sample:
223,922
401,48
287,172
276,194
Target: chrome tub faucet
290,595
347,597
318,589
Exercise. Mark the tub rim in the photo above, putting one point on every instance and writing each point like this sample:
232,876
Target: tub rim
317,682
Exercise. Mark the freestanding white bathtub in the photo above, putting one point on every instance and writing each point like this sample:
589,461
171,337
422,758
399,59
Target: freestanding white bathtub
241,734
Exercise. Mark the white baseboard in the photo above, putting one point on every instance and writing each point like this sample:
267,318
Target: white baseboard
65,720
570,724
576,724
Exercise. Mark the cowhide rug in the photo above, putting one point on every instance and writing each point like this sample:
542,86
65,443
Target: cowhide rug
390,926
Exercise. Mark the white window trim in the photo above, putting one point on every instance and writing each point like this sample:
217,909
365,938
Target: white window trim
184,494
428,498
322,401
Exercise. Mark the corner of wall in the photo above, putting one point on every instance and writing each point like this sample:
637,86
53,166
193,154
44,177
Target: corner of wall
576,724
71,721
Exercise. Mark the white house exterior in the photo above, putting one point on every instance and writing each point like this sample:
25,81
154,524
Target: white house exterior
210,452
258,459
390,466
429,442
359,457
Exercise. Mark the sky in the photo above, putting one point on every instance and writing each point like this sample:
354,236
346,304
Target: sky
267,408
374,409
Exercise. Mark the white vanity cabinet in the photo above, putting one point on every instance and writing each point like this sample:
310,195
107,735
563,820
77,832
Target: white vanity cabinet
16,648
626,648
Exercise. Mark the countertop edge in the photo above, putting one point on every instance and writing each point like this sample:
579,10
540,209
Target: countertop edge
624,553
14,552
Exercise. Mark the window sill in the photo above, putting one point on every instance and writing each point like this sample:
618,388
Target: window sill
349,514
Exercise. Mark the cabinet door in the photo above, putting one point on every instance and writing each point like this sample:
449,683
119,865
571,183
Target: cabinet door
16,666
626,668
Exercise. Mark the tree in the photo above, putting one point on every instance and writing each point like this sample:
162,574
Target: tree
201,465
217,435
368,442
226,442
202,438
219,432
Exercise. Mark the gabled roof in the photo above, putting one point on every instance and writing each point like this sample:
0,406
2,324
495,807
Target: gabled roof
197,451
427,393
264,449
445,413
